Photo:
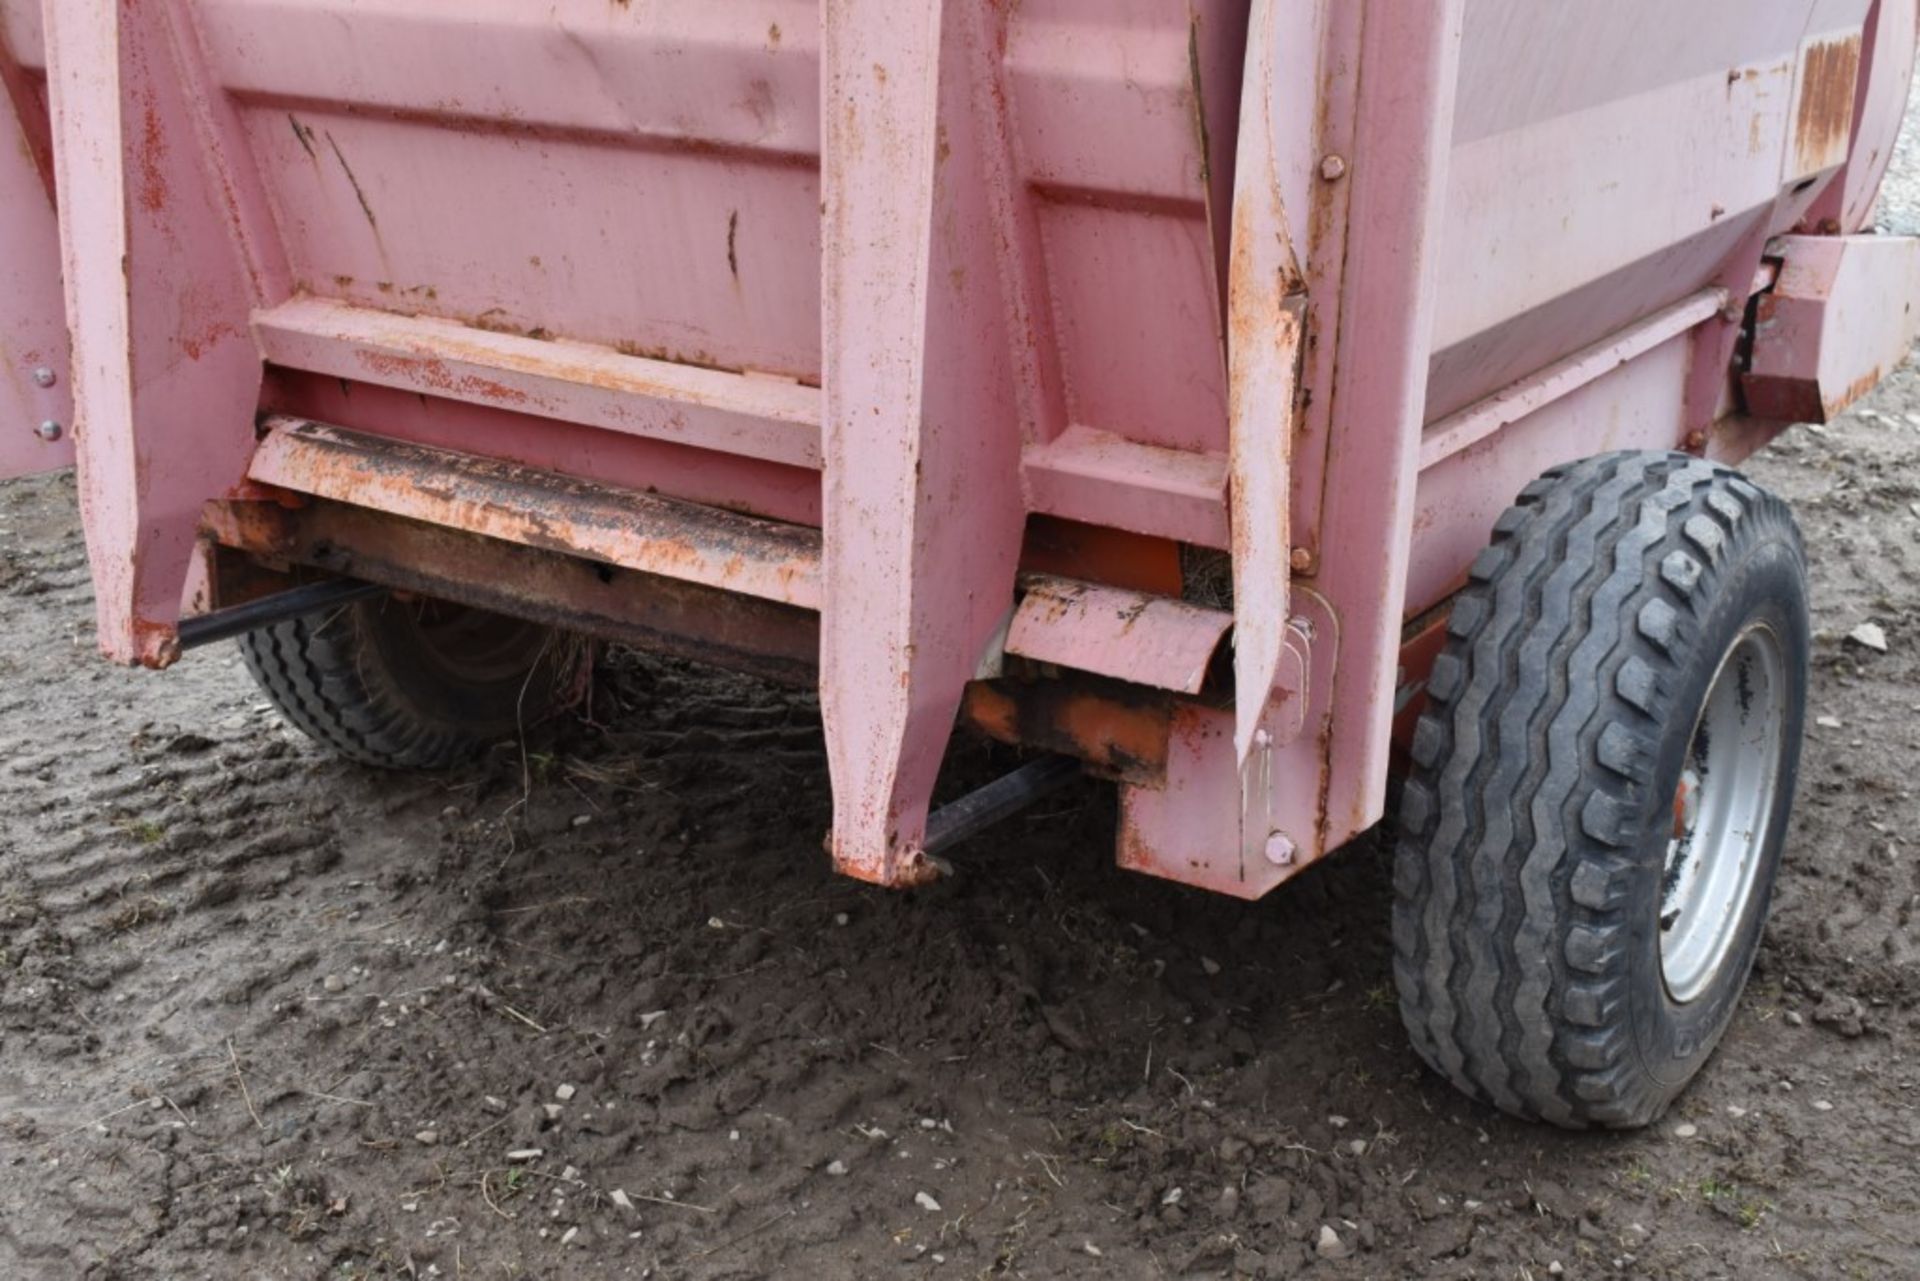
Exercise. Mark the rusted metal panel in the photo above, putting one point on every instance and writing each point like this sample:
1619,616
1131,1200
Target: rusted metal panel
1886,64
1121,732
770,419
1840,318
1823,102
639,531
1145,640
665,615
1100,554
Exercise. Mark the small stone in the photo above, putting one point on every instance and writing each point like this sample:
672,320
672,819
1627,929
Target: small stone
428,1137
841,918
1793,1018
1685,1131
620,1198
553,1110
1338,1122
334,983
1829,722
493,1105
837,1168
1329,1245
1735,1111
1173,1196
581,820
567,1237
1211,966
648,1020
926,1202
1822,1105
1870,635
1358,1147
564,1093
520,1156
1093,1249
570,1173
1556,1269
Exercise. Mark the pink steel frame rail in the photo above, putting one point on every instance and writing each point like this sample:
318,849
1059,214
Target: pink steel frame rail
1318,285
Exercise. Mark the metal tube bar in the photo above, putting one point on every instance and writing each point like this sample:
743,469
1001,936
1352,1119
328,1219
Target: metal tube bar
225,624
1004,797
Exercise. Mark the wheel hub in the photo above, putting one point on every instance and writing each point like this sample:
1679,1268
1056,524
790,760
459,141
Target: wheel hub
1721,807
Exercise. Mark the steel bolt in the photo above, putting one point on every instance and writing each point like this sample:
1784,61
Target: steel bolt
44,377
1301,560
49,430
1280,850
1333,168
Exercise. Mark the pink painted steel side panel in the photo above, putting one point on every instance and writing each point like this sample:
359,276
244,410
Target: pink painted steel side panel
1542,256
923,512
166,378
35,382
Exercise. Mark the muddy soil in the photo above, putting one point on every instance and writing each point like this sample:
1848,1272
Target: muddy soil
595,1007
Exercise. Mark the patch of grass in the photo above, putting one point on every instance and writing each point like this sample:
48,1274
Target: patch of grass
144,830
1714,1189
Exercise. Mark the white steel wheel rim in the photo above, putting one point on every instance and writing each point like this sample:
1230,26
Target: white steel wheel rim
1721,810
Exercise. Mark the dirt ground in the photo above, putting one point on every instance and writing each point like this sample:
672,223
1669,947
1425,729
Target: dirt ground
596,1007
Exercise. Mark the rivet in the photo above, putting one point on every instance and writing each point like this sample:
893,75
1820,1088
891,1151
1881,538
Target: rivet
1333,168
1280,850
49,430
44,377
1301,560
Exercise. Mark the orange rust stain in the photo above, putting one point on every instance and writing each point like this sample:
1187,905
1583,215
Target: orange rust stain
1109,732
155,645
1856,390
1113,557
1823,125
992,713
195,345
1416,660
153,158
432,373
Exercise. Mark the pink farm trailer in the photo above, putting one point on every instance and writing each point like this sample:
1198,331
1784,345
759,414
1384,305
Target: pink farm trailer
1206,394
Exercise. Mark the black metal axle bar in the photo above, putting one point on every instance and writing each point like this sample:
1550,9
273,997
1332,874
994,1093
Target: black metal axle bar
1004,797
225,624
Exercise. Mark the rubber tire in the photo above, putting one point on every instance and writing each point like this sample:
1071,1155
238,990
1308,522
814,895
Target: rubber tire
413,685
1535,820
